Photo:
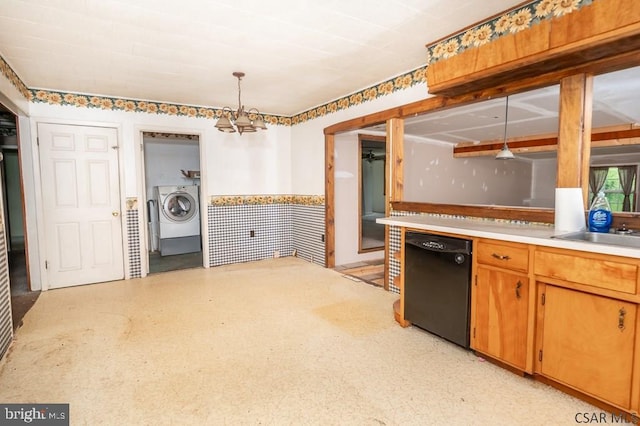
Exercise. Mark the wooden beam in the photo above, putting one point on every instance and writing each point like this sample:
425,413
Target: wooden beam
598,139
574,132
395,152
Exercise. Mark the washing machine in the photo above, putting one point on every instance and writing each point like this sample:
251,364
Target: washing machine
179,219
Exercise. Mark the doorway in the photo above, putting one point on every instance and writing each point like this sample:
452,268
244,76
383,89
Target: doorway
371,188
22,297
172,189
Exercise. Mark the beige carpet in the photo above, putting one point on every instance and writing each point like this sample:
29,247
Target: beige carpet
280,341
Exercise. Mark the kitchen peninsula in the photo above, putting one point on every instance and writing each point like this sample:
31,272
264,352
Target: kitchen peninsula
565,312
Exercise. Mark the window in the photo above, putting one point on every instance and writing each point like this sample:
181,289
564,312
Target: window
618,181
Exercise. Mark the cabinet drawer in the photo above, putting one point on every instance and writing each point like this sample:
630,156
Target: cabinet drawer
611,274
514,257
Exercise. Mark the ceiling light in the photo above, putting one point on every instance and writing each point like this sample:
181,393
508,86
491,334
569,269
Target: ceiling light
505,153
240,120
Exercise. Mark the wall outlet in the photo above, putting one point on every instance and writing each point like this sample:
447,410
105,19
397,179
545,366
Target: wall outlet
252,233
276,253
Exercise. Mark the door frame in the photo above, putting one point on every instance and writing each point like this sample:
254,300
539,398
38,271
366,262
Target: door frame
42,248
142,193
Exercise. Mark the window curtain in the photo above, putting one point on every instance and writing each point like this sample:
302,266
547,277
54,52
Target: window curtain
597,176
627,175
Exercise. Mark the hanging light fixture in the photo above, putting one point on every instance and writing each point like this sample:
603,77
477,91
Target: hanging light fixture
505,153
240,120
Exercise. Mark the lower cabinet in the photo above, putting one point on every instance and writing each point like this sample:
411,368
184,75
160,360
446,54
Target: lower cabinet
587,343
569,316
501,315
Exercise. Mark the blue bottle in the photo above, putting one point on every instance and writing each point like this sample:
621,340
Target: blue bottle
600,214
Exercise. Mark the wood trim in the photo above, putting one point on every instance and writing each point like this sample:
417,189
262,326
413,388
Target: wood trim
493,212
329,202
531,320
395,136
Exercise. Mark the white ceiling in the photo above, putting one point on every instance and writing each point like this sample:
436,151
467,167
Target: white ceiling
297,54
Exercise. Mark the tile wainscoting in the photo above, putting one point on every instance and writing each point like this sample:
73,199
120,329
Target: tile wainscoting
283,225
133,242
394,246
243,229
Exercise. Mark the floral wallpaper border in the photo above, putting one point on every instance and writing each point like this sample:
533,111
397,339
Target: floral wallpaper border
512,22
10,74
401,82
237,200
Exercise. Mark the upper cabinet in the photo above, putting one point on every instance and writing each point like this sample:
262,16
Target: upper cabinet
524,47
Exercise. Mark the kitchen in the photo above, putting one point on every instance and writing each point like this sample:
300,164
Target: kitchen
304,183
579,123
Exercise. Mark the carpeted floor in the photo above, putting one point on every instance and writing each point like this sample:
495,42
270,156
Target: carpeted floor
279,341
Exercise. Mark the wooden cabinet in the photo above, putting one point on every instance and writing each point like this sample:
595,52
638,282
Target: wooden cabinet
587,324
511,256
500,303
587,343
605,272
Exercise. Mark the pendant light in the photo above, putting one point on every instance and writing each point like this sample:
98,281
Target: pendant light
505,153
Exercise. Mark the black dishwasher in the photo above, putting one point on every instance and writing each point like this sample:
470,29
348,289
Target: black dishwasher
437,285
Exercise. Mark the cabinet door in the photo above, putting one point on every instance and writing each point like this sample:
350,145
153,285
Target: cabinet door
587,343
501,314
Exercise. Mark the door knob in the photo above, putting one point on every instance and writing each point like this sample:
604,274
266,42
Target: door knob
115,214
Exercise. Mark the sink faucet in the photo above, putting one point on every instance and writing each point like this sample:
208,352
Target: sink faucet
624,230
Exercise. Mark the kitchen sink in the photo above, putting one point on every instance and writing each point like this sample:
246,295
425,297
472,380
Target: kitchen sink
631,240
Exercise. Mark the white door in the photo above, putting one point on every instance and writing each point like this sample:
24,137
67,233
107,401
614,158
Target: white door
81,197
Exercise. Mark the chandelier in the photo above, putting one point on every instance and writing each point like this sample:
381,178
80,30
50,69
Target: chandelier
244,121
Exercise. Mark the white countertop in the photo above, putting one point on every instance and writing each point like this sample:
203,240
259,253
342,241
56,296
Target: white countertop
519,233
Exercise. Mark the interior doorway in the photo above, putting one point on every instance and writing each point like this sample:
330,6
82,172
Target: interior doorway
371,188
172,190
22,297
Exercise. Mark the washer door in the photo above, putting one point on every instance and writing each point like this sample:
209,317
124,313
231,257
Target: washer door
179,207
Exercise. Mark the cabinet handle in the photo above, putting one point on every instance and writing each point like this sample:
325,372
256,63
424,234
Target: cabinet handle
518,285
501,256
621,315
